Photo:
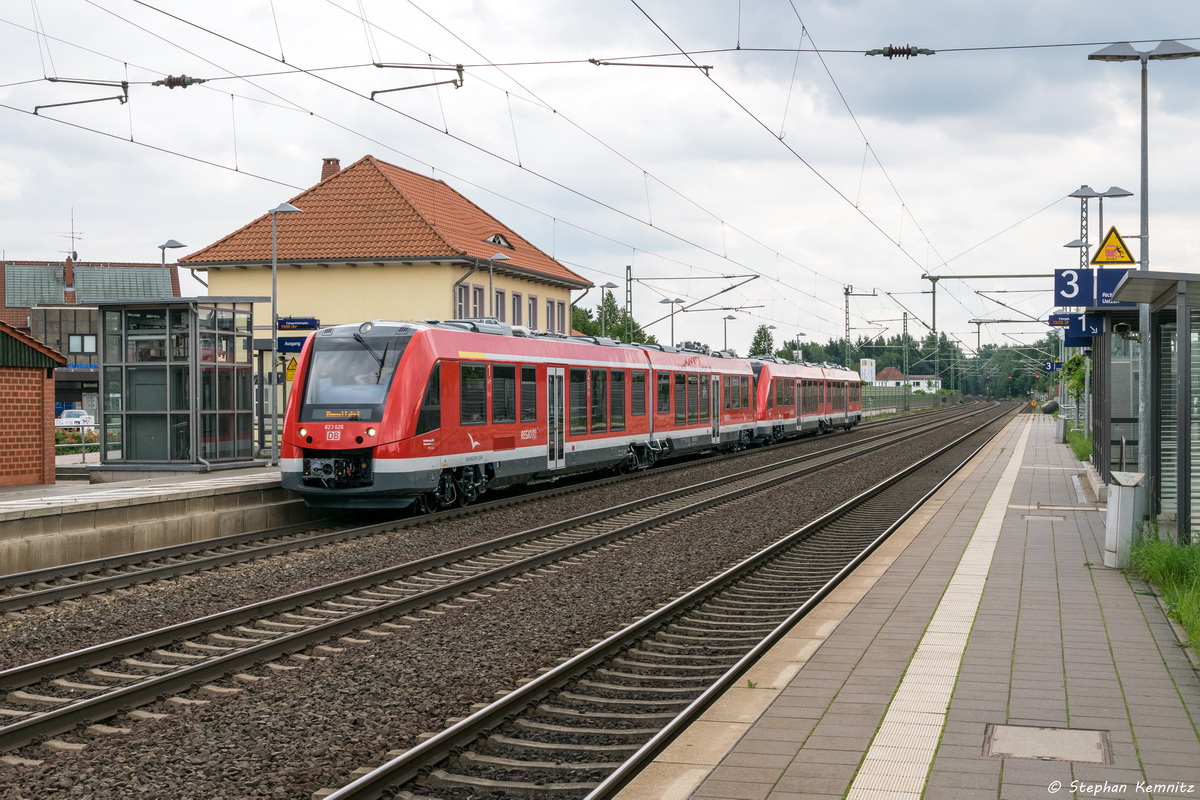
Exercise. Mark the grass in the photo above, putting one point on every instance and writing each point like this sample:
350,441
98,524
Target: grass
1175,570
1080,443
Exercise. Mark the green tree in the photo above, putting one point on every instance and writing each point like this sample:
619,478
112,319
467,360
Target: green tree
763,342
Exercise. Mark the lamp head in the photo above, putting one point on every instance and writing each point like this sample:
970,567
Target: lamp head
1116,191
1084,192
1121,51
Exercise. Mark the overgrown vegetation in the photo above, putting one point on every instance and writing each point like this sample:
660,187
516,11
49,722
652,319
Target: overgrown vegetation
1080,443
1175,570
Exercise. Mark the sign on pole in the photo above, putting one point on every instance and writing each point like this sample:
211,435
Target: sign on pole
1112,251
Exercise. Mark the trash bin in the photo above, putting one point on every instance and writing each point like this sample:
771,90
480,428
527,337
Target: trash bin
1119,518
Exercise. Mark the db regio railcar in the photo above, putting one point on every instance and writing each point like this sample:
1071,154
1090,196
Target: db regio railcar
432,414
801,399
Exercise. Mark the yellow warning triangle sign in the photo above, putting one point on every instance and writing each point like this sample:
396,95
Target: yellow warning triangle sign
290,371
1112,250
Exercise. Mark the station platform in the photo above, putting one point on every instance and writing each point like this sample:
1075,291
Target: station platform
984,651
71,521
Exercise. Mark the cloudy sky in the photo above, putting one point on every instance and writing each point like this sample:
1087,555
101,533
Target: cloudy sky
790,167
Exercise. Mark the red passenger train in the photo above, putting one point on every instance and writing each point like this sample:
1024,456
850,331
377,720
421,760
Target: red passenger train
398,414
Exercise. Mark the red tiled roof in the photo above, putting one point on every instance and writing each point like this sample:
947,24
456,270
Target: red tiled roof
375,210
889,374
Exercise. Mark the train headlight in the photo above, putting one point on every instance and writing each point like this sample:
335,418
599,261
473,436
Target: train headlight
302,432
370,431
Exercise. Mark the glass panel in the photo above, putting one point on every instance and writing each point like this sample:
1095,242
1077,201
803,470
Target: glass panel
680,398
504,393
225,442
664,393
430,417
244,378
225,348
208,388
180,391
208,348
225,318
528,394
112,389
618,400
473,394
599,401
208,436
181,445
245,350
112,322
693,381
206,317
704,403
242,321
225,388
147,389
245,437
112,437
637,404
578,401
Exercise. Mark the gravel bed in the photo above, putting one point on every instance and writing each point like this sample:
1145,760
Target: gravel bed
308,729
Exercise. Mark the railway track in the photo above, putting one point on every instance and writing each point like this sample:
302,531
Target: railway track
49,697
41,587
584,728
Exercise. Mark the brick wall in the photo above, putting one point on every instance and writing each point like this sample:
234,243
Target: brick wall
26,426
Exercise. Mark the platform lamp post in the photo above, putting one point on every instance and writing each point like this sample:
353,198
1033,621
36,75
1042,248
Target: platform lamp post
282,208
672,303
491,289
727,318
1167,50
169,243
603,286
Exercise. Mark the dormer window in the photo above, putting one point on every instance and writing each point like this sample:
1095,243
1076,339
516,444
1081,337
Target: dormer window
499,241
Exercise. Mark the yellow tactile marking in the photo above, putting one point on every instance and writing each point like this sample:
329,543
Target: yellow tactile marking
918,711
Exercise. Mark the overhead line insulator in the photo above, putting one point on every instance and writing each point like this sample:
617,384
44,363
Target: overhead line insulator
182,81
895,51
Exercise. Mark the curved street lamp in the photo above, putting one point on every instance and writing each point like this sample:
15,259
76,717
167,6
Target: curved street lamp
727,318
1167,50
172,244
672,303
609,285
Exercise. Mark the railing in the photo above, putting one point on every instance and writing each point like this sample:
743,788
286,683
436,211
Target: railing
89,441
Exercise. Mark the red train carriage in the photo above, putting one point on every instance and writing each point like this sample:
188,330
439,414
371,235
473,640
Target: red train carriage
795,399
390,414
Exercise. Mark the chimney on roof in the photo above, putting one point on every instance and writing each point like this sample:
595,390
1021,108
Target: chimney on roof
330,167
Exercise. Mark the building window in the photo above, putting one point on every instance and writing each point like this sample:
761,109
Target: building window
477,309
81,343
462,302
550,316
518,307
500,304
562,318
532,321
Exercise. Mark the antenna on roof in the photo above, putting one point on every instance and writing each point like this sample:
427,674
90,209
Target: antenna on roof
72,236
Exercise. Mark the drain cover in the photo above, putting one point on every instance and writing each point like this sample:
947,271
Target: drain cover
1047,744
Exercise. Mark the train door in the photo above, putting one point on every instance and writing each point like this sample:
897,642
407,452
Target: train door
715,400
555,418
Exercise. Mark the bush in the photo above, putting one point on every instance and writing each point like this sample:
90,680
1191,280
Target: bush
1175,570
64,438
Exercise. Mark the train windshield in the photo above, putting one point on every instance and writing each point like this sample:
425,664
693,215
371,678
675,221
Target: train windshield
348,379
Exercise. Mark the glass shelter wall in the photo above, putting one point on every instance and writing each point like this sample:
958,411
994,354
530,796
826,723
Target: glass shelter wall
177,382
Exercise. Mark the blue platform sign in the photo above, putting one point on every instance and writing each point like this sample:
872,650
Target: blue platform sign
299,323
1074,287
1060,320
1052,366
1106,284
291,344
1085,325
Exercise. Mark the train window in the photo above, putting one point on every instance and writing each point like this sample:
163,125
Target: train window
791,393
472,394
617,407
637,405
599,400
747,397
664,393
705,401
430,417
692,403
528,394
680,398
725,380
578,401
504,393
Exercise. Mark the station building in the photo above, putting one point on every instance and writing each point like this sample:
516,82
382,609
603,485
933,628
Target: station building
376,241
